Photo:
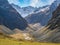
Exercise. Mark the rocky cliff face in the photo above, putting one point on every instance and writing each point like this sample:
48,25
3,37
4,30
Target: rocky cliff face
10,17
55,20
54,5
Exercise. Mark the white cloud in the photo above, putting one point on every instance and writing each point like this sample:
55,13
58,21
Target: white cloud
37,3
34,3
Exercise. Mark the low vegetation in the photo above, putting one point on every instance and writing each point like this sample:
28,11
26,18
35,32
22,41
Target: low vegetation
5,40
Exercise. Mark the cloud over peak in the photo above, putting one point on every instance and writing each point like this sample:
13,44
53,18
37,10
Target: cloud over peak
33,3
40,3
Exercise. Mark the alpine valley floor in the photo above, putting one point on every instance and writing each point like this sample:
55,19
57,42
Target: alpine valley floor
5,40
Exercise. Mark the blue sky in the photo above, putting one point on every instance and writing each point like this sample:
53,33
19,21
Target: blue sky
33,3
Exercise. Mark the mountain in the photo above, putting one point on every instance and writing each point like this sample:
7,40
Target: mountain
55,20
38,9
24,11
10,18
54,5
37,16
41,16
51,32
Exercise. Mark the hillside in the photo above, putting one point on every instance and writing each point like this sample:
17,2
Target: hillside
50,33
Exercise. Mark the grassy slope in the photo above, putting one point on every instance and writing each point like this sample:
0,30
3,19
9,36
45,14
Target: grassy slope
4,40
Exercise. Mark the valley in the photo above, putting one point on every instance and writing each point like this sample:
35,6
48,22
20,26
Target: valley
40,27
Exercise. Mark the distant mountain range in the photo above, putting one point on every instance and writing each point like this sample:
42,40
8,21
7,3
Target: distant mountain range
24,11
42,15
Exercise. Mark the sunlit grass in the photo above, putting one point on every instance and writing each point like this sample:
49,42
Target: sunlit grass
14,42
10,41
